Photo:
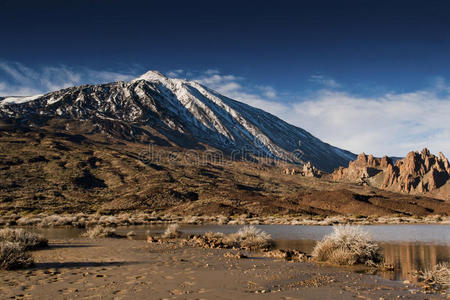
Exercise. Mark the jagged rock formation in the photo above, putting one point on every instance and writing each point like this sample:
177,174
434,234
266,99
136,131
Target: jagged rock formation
183,113
362,168
417,173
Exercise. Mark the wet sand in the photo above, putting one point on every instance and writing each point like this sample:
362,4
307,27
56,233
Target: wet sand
134,269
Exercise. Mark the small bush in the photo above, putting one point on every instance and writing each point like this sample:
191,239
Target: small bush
251,238
436,279
348,245
14,256
100,232
25,239
172,231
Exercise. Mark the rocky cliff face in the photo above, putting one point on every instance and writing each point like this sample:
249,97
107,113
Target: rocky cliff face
417,173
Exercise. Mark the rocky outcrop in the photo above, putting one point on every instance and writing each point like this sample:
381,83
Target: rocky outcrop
417,173
362,168
308,170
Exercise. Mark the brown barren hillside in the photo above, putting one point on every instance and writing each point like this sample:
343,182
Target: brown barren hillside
53,170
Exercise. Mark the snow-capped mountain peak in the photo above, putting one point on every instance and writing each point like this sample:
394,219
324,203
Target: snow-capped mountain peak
152,76
186,113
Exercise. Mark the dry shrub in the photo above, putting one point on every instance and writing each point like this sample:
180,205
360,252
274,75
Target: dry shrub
210,240
26,240
28,221
436,279
348,245
14,256
110,221
58,220
251,238
100,232
172,231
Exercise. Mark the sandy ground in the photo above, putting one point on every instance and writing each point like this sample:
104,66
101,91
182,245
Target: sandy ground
134,269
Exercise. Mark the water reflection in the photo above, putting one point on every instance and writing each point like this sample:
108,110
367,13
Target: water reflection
405,256
407,247
409,257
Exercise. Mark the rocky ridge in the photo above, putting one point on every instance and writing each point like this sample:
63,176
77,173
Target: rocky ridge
417,173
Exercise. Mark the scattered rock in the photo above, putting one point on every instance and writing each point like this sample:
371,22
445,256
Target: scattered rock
289,255
151,239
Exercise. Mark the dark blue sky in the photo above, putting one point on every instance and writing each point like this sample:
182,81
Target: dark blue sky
363,75
390,45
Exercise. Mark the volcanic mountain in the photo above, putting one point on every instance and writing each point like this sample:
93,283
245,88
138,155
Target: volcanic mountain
86,149
157,109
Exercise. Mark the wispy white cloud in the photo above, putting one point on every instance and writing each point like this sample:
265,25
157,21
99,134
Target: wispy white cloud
20,80
176,73
392,124
325,81
238,88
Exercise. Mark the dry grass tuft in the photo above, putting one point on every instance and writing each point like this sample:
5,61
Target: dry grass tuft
57,220
251,238
14,256
435,280
248,237
26,240
213,235
348,245
172,232
100,232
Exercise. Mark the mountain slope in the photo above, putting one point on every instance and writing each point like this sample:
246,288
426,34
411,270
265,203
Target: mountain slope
185,112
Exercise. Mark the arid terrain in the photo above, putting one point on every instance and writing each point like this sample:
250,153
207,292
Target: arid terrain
53,170
131,269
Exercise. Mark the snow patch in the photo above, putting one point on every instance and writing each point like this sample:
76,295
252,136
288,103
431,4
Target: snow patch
152,76
20,99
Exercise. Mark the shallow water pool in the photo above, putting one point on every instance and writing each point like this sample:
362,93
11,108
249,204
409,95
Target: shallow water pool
407,247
